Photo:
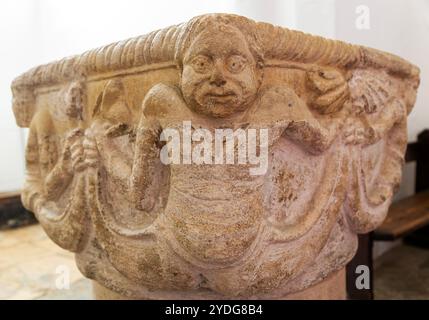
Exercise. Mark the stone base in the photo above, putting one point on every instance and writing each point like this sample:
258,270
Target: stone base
332,288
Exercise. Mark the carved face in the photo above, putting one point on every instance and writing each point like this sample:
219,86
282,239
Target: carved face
219,76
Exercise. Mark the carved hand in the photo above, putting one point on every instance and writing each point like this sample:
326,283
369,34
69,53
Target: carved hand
72,155
356,132
90,150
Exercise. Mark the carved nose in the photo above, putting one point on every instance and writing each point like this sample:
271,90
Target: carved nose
217,78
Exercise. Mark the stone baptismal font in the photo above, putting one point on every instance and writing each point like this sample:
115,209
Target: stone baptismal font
221,158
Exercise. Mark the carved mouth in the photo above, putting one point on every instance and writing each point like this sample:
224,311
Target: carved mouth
220,97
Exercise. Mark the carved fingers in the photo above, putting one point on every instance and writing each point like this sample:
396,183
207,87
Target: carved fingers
90,152
72,155
80,151
77,155
357,132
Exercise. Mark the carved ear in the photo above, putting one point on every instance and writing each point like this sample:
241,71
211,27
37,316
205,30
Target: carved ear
377,138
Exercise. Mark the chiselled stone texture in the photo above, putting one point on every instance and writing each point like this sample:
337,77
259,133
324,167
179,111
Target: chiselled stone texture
336,116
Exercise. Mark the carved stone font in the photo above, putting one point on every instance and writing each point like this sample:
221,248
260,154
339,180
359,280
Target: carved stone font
219,158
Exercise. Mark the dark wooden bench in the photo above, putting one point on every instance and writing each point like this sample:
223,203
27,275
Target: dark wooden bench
12,213
407,218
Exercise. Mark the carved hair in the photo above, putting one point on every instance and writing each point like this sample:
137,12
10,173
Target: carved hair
202,23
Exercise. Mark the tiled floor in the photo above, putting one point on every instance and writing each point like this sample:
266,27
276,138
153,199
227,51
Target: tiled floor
32,267
402,273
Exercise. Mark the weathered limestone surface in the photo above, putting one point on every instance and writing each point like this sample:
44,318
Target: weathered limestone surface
336,120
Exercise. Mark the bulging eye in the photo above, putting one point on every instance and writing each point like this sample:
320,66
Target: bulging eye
235,63
201,64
